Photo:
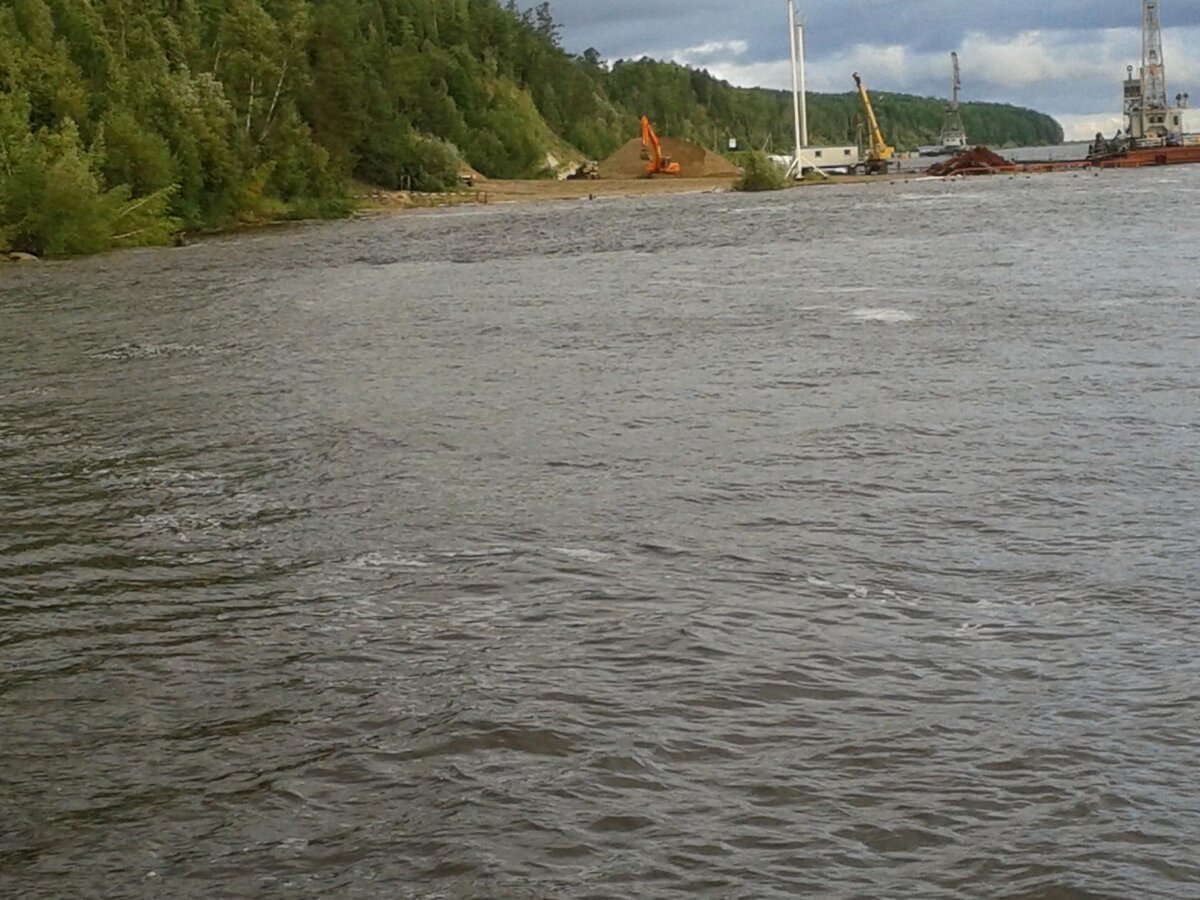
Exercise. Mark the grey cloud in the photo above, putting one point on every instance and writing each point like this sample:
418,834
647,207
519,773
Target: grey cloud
623,28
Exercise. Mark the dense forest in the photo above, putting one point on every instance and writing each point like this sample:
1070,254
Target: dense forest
693,105
125,121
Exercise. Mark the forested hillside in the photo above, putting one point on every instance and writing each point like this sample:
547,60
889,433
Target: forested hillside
123,121
693,105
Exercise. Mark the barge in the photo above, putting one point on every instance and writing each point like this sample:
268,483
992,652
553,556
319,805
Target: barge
1156,133
1105,156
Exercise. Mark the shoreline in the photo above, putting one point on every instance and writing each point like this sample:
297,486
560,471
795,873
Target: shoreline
379,202
507,191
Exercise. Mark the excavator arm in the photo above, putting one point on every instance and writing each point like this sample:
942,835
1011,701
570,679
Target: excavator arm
652,151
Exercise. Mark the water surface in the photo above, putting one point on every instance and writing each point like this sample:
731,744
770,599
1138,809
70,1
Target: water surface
839,542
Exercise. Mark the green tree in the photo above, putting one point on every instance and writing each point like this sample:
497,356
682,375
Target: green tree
126,118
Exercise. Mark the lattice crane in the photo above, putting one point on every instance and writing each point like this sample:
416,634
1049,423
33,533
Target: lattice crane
954,136
1154,79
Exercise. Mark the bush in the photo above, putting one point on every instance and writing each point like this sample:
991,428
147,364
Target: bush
759,173
397,159
134,155
53,202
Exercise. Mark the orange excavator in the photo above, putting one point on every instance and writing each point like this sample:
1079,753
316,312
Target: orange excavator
652,151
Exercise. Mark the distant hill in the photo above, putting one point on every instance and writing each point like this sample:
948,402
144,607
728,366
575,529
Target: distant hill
694,105
122,122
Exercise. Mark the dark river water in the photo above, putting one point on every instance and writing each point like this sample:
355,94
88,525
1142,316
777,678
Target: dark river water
843,542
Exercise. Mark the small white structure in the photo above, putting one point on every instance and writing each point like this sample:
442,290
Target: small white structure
829,158
1190,122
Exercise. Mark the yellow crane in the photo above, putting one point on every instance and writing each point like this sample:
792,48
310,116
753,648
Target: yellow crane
880,153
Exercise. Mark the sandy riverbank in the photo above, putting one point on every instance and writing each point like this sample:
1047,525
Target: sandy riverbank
532,191
374,201
494,191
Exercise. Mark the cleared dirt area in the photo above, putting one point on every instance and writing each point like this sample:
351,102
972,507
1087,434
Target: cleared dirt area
694,161
509,191
504,191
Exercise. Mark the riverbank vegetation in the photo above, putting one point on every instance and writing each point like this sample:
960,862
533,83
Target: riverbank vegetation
123,122
760,173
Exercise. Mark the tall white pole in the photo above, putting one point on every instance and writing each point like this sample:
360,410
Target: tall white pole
795,169
803,88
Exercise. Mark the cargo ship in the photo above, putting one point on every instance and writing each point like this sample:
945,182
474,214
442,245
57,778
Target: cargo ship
1157,132
1105,155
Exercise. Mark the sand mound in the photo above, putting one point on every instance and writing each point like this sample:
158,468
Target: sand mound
976,159
694,161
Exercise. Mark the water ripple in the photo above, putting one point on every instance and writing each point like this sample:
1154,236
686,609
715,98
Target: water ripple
608,550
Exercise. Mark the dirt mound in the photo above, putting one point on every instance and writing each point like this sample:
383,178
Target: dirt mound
694,161
972,162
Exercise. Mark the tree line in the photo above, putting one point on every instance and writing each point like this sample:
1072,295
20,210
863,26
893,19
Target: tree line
694,105
123,122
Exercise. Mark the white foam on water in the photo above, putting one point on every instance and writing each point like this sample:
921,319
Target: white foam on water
134,350
383,561
582,553
750,210
159,523
851,289
857,590
921,198
485,553
885,315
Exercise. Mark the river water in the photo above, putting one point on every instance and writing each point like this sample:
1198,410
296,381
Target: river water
841,542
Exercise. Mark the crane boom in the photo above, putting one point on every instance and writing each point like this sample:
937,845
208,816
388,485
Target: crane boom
955,83
953,137
1154,81
880,151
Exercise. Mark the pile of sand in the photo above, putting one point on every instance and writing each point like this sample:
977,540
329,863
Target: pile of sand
976,159
694,161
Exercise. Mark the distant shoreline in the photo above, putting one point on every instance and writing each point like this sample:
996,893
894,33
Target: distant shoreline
491,192
496,191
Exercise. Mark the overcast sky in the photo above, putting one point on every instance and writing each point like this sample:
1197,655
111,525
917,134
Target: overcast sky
1064,57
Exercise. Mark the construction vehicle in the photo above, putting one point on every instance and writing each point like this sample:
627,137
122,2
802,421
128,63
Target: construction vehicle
879,152
589,170
657,164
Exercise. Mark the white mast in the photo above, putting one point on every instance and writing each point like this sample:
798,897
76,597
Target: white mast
803,89
799,144
799,100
